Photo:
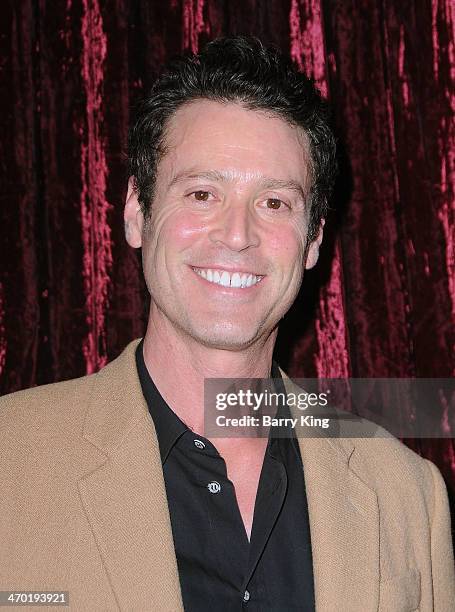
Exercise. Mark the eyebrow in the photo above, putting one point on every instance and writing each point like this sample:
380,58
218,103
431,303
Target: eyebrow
222,177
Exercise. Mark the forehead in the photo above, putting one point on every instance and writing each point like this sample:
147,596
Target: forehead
232,139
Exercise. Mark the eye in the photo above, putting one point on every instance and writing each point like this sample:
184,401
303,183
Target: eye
275,204
201,196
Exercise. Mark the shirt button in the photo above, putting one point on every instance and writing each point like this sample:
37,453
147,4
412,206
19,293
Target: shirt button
199,444
246,596
214,487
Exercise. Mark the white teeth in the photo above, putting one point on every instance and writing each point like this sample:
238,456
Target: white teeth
235,280
225,279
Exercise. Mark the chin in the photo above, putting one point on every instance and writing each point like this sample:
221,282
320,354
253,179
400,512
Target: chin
227,336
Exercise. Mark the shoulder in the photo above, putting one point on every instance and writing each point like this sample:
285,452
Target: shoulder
384,452
378,457
59,410
47,409
42,438
64,401
395,469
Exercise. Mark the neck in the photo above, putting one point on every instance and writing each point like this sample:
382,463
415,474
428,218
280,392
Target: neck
178,365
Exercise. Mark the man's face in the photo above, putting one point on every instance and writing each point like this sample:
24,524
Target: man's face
223,252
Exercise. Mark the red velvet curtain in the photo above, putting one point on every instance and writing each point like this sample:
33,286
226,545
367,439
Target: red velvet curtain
381,303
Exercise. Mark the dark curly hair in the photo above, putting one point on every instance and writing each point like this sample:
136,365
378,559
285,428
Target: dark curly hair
235,69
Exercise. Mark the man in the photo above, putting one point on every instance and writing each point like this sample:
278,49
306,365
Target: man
111,491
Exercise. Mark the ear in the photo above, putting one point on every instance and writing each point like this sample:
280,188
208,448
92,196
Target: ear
313,251
134,219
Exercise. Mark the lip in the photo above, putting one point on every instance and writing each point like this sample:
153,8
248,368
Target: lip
222,288
227,269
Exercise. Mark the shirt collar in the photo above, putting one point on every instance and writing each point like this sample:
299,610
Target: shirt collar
169,427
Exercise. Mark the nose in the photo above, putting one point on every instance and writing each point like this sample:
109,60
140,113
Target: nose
235,227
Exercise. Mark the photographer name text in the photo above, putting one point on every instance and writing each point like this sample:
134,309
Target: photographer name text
268,421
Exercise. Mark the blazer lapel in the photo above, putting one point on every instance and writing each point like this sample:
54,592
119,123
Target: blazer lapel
344,524
124,496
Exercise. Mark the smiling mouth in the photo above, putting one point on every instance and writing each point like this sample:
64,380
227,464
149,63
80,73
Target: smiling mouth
233,280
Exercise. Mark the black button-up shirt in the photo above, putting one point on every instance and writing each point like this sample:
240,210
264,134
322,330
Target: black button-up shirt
219,569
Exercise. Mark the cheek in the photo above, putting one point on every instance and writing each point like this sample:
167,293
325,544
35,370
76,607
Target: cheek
286,245
173,229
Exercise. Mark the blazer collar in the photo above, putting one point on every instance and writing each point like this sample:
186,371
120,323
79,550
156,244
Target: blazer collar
124,498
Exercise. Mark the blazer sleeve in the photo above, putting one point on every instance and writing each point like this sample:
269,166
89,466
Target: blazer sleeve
442,560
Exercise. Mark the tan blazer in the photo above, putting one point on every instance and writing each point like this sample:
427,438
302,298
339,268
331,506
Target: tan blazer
83,507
